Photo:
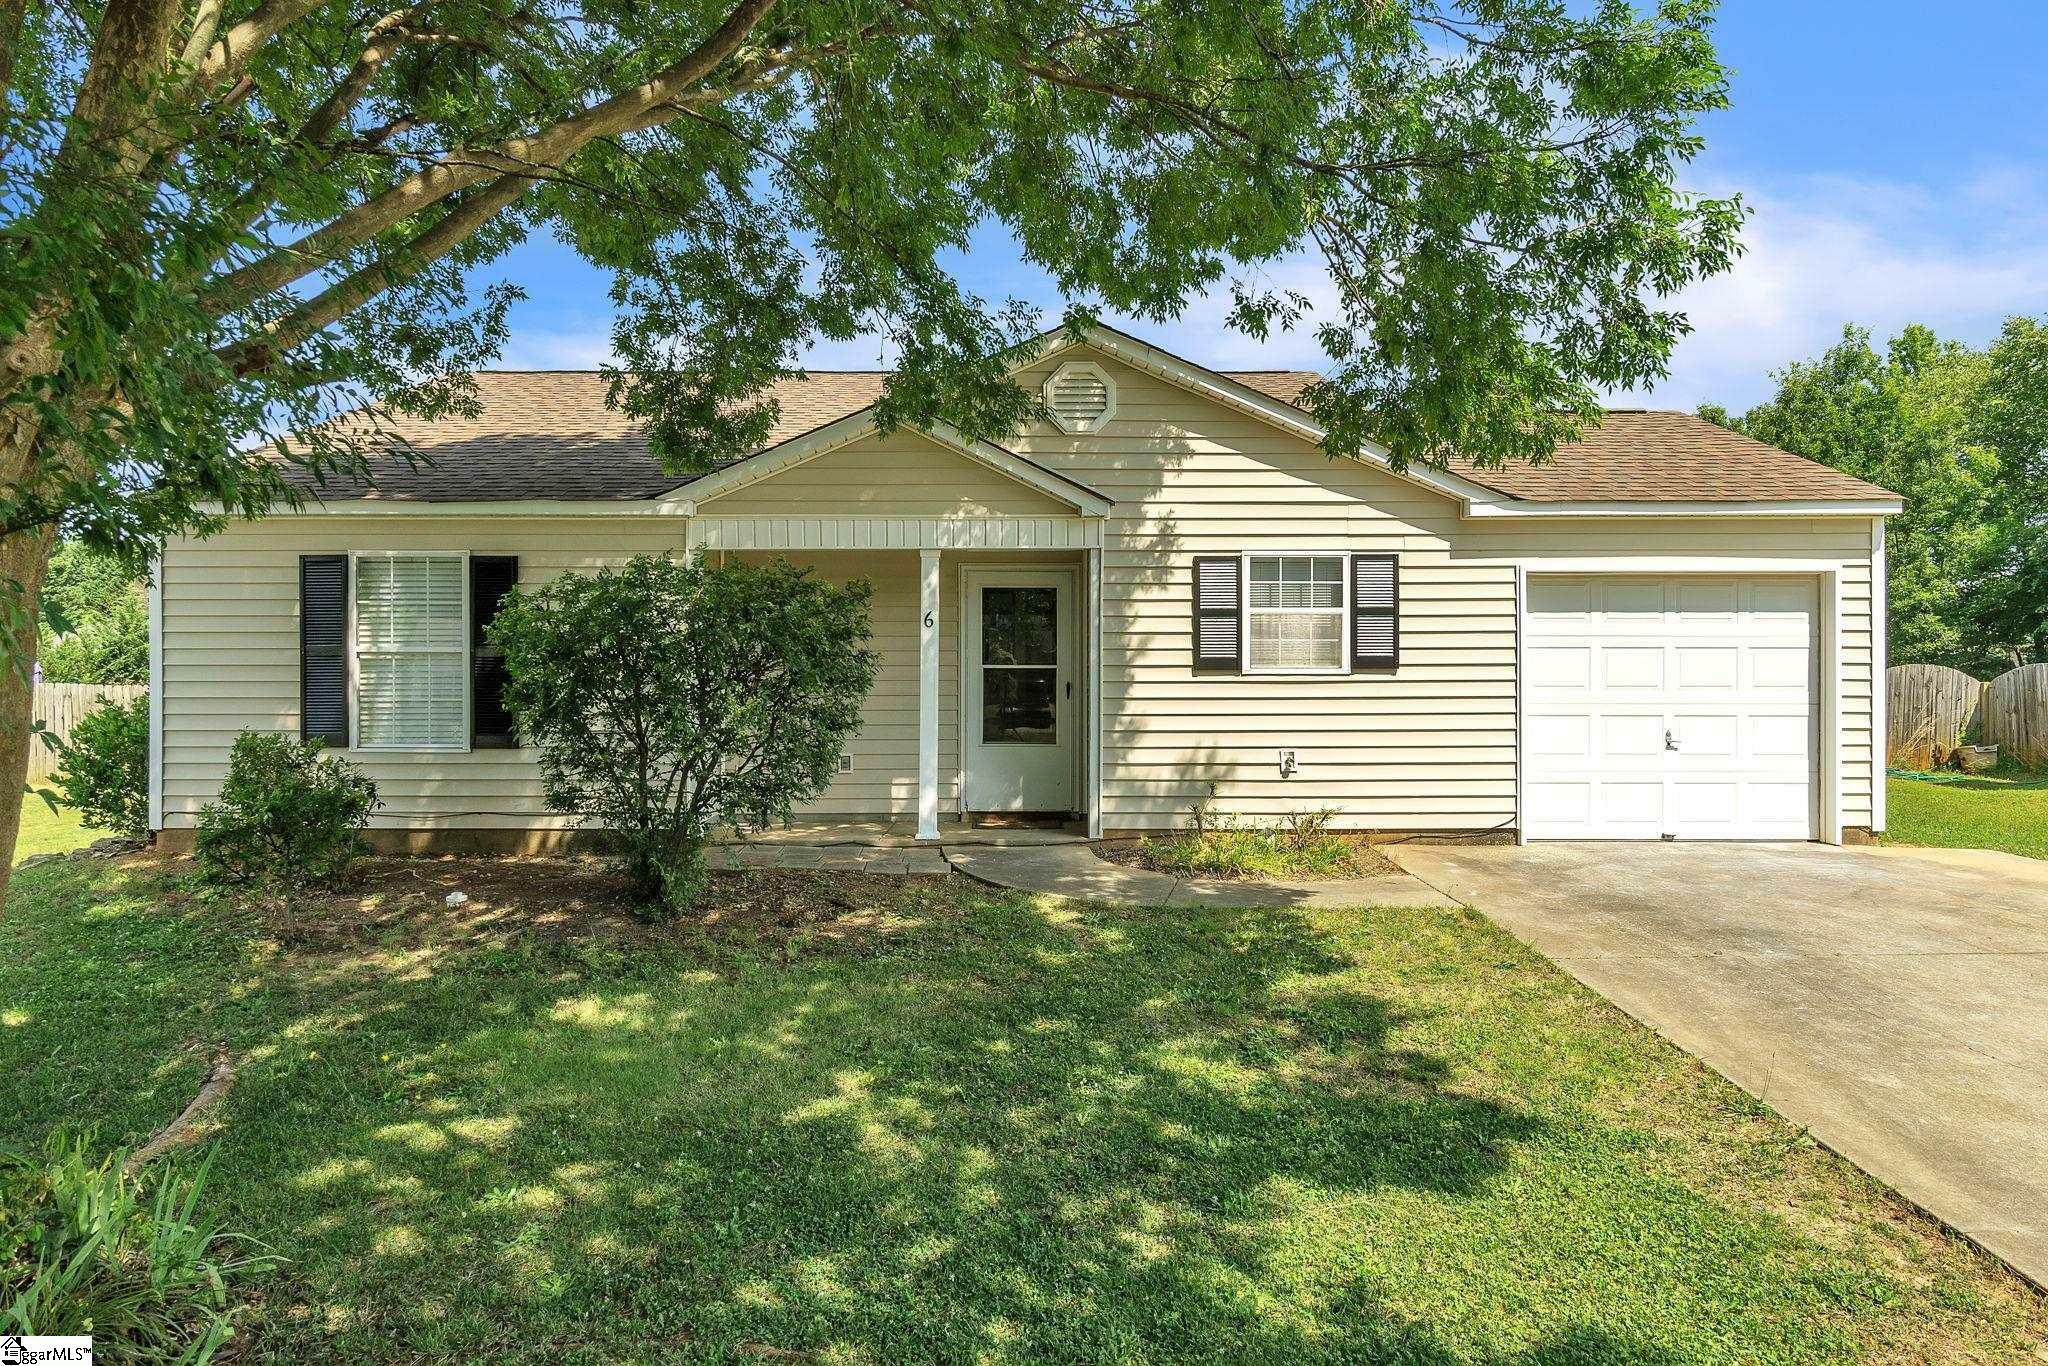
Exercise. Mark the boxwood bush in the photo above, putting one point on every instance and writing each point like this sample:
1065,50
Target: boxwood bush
106,767
288,814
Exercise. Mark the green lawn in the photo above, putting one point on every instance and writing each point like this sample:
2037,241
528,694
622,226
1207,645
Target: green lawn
1987,811
957,1124
44,831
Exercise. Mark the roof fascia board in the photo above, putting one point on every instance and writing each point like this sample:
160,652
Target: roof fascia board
1668,508
502,507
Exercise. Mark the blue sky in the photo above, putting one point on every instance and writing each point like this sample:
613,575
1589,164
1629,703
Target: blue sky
1894,154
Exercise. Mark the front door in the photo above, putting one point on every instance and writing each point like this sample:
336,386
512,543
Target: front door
1018,725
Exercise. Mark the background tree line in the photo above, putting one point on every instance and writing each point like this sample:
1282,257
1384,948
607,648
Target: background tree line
1962,433
94,623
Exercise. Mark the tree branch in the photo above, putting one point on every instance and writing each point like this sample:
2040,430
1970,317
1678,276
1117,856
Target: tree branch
625,112
13,15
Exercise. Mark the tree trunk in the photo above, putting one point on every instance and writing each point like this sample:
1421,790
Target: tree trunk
24,558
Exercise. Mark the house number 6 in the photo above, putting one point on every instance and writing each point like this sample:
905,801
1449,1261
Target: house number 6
927,619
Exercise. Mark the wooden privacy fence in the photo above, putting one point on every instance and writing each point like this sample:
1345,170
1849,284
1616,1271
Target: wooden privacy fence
58,707
2016,715
1929,706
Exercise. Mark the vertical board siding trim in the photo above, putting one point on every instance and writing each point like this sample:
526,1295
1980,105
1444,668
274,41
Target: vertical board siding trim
928,695
1521,704
1880,643
156,692
1094,787
1831,707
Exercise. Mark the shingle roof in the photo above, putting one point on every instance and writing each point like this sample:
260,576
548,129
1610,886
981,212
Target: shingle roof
548,434
1641,455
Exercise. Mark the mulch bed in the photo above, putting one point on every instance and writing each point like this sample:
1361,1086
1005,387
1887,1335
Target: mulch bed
507,899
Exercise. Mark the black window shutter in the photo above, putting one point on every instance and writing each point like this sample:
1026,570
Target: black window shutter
490,725
323,649
1219,614
1375,612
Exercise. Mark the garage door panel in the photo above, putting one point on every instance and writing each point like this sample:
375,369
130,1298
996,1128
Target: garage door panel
1632,668
1786,806
1781,668
1708,600
1561,737
1624,736
1709,668
1671,707
1705,805
1637,808
1788,738
1562,600
1708,736
1624,599
1781,602
1560,667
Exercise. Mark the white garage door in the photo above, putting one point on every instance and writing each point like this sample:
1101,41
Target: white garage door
1681,707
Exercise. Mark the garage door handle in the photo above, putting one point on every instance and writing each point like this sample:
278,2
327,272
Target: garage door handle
1670,740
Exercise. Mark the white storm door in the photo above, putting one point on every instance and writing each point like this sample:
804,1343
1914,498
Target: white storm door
1019,718
1671,707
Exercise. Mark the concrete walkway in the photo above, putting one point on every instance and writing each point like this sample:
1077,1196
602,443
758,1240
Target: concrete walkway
1073,870
1892,1001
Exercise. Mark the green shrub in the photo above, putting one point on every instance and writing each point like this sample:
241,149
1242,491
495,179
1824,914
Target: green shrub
1301,845
287,814
670,695
106,767
86,1248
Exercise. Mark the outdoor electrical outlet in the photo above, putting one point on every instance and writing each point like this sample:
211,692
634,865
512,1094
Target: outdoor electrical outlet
1287,763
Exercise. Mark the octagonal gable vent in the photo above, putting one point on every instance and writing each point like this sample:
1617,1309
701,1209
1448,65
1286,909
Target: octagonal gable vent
1082,398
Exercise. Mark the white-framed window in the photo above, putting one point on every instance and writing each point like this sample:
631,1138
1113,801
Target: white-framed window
1296,610
410,634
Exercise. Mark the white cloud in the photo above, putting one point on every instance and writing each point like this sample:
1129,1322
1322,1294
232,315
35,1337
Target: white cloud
1830,251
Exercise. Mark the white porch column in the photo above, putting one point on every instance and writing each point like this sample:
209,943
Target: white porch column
928,696
1094,625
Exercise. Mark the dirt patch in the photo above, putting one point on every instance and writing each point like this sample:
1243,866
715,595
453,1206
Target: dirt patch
402,905
1359,859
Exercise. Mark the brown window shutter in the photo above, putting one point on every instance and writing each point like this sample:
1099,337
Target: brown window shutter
1219,614
491,577
1375,612
323,649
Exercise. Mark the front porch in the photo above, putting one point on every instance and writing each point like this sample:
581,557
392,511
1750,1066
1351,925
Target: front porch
987,577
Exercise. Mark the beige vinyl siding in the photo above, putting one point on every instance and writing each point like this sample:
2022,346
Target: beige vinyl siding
231,651
902,474
1431,747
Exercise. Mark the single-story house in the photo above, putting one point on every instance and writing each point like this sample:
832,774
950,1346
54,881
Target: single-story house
1168,593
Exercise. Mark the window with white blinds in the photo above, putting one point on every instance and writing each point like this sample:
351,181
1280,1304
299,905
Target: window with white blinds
1294,614
412,651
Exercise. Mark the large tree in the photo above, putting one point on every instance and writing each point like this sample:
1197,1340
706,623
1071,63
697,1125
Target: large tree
226,217
1962,434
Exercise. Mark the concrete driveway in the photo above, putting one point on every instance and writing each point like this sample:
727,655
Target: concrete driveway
1894,1002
